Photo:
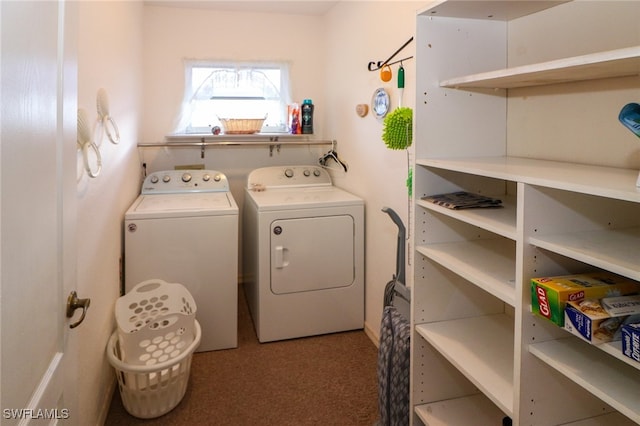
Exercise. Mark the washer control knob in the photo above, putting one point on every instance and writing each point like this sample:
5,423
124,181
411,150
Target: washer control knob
316,172
166,178
288,173
206,177
306,172
186,177
154,179
217,178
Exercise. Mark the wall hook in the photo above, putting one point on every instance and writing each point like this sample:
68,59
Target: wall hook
374,66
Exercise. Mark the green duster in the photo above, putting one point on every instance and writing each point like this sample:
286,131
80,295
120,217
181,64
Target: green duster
398,128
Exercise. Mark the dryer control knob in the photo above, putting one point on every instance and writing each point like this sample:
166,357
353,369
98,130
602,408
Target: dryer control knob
206,177
217,178
316,172
186,177
307,173
166,178
154,179
288,173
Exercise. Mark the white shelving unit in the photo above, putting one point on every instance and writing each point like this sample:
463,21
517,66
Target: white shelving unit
478,353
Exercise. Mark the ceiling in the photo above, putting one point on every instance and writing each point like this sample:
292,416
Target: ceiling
295,7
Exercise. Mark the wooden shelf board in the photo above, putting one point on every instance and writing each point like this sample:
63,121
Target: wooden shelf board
615,383
490,10
617,251
614,63
501,221
482,349
474,409
601,181
489,264
609,419
615,350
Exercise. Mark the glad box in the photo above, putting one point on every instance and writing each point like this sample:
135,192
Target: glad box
631,341
600,321
549,295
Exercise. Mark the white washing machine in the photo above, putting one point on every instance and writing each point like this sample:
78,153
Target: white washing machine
303,261
183,228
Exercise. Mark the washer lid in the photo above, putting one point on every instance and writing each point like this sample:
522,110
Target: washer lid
306,197
182,205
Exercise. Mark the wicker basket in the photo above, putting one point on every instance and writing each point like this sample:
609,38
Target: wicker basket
241,126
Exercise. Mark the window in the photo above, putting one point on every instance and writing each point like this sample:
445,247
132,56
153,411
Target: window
238,90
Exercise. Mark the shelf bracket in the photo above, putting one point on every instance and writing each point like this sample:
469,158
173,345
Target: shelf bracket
277,146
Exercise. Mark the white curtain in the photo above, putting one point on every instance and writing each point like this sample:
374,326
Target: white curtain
183,120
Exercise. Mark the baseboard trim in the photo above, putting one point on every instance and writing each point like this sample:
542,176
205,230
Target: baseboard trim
373,334
106,404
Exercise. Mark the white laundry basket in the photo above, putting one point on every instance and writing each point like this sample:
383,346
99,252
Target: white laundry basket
149,391
155,322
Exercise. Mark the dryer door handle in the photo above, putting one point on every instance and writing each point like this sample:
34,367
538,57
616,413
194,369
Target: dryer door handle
280,257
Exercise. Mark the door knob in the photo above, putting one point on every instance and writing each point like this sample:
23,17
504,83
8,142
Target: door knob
73,303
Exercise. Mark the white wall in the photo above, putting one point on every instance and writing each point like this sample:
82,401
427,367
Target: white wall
135,52
109,49
607,144
173,34
328,56
360,32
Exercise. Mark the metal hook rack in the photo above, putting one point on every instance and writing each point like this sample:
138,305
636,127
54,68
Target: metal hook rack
332,155
374,66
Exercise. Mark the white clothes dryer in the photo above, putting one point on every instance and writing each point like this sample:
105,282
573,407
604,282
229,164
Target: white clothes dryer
303,261
183,228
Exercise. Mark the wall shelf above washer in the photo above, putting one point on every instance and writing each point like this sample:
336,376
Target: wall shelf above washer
272,140
196,139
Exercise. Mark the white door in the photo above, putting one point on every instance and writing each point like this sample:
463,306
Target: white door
37,210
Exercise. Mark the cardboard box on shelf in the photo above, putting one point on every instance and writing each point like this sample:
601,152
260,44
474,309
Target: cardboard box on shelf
549,295
600,321
631,341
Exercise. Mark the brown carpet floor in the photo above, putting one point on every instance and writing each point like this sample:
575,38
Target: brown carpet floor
322,380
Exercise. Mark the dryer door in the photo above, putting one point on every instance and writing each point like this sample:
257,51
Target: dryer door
310,254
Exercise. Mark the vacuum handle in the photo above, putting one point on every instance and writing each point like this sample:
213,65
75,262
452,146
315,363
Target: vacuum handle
400,255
